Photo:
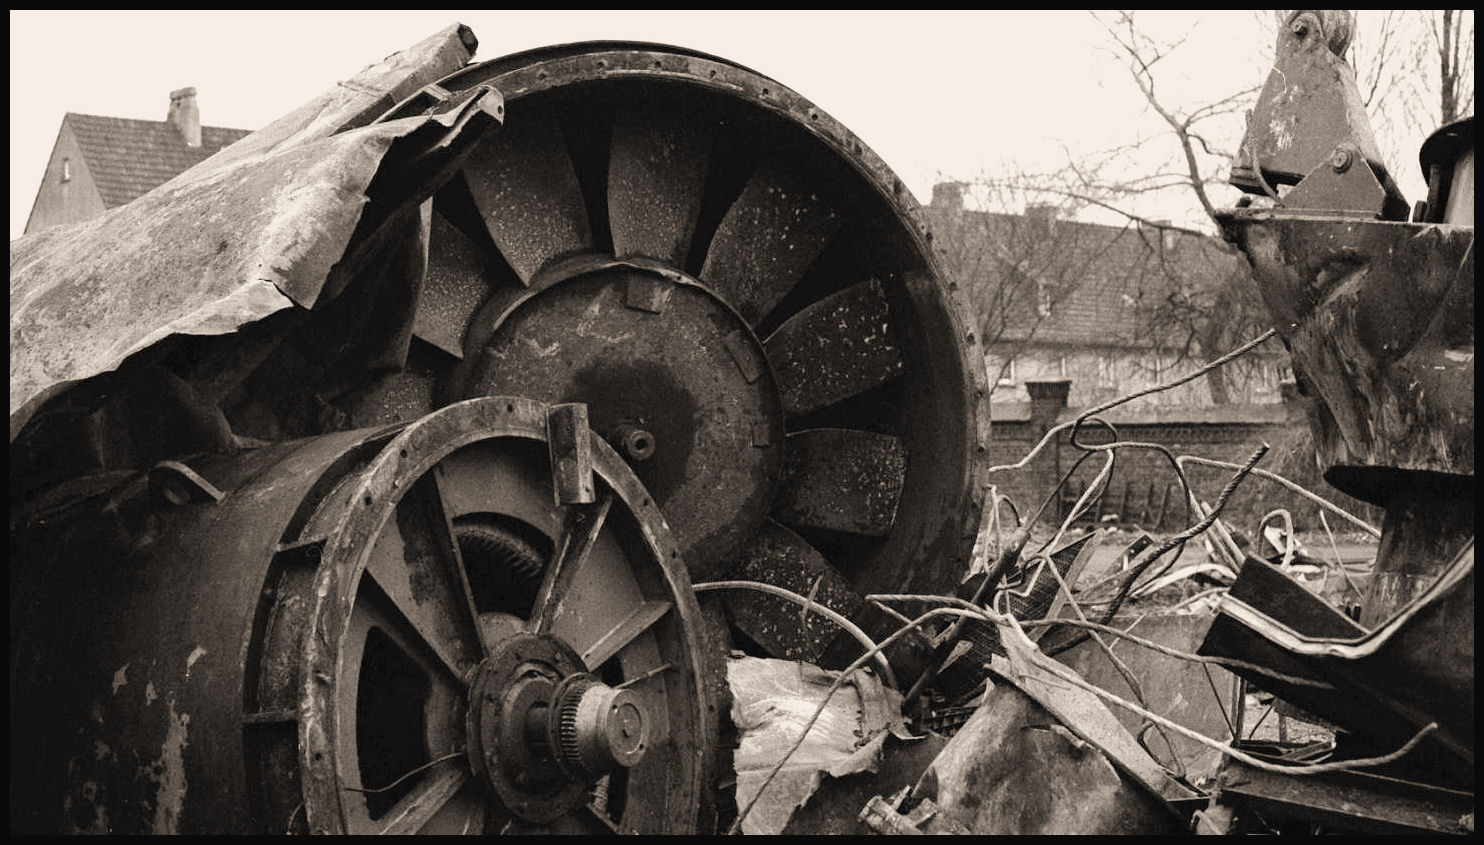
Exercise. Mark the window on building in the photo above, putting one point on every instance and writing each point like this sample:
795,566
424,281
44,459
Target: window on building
1061,367
1007,377
66,170
1045,298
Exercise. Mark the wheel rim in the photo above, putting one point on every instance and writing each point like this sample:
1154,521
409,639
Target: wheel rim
410,669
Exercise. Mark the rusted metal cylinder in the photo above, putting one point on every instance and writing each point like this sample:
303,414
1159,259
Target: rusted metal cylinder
353,636
129,623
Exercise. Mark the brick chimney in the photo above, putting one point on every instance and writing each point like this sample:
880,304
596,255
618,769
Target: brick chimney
948,195
1042,217
1048,400
184,116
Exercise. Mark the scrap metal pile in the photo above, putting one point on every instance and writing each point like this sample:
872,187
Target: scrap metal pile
537,445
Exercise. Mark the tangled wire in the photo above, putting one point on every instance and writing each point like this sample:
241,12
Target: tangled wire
987,605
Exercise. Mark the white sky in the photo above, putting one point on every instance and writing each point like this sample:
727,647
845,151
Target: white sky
932,92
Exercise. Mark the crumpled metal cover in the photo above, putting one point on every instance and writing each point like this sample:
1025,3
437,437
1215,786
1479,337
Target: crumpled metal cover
248,232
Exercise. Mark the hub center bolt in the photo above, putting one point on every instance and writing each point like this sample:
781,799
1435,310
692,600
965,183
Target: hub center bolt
633,441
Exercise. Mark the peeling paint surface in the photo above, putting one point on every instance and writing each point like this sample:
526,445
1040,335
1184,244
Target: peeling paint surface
120,678
168,771
195,655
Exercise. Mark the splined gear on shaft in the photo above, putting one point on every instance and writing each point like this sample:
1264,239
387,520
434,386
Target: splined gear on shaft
597,728
501,550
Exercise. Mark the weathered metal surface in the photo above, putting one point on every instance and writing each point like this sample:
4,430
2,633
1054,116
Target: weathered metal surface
604,96
571,454
527,194
1346,802
772,701
1014,768
126,705
656,178
841,480
1383,684
1196,696
837,807
352,537
770,236
1447,158
690,374
453,287
778,556
1379,319
246,233
838,347
1308,108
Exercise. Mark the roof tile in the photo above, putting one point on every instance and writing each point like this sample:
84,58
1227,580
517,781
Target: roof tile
128,157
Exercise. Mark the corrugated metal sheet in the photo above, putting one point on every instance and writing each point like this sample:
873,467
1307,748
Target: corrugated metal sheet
248,232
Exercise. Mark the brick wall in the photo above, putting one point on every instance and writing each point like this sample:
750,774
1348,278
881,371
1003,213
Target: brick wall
1148,481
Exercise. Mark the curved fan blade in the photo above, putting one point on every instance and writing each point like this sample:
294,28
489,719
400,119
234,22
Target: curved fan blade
453,288
841,480
527,192
768,238
778,556
836,348
656,173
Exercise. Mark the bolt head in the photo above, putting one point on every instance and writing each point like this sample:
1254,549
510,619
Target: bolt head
1341,160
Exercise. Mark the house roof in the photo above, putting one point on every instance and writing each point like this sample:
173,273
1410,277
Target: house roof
128,158
1102,280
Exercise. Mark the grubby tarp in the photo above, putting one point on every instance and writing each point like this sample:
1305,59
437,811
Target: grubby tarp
250,231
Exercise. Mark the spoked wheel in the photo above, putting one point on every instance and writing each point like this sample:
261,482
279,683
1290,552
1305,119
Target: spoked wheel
742,295
497,637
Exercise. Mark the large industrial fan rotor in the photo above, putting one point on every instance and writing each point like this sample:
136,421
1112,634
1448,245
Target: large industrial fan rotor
345,568
740,293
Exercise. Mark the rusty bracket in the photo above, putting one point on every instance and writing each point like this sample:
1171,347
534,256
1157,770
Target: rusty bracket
742,352
1344,184
571,448
178,484
646,293
885,816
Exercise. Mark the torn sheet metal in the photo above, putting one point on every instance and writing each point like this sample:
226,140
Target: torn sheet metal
1384,684
1015,768
772,702
1195,695
248,232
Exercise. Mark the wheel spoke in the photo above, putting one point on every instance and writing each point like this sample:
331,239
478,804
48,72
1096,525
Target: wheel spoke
584,524
656,175
380,610
430,800
592,820
841,480
834,349
417,564
526,189
768,238
637,622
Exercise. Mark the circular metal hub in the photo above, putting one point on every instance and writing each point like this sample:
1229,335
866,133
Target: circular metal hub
541,731
672,372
